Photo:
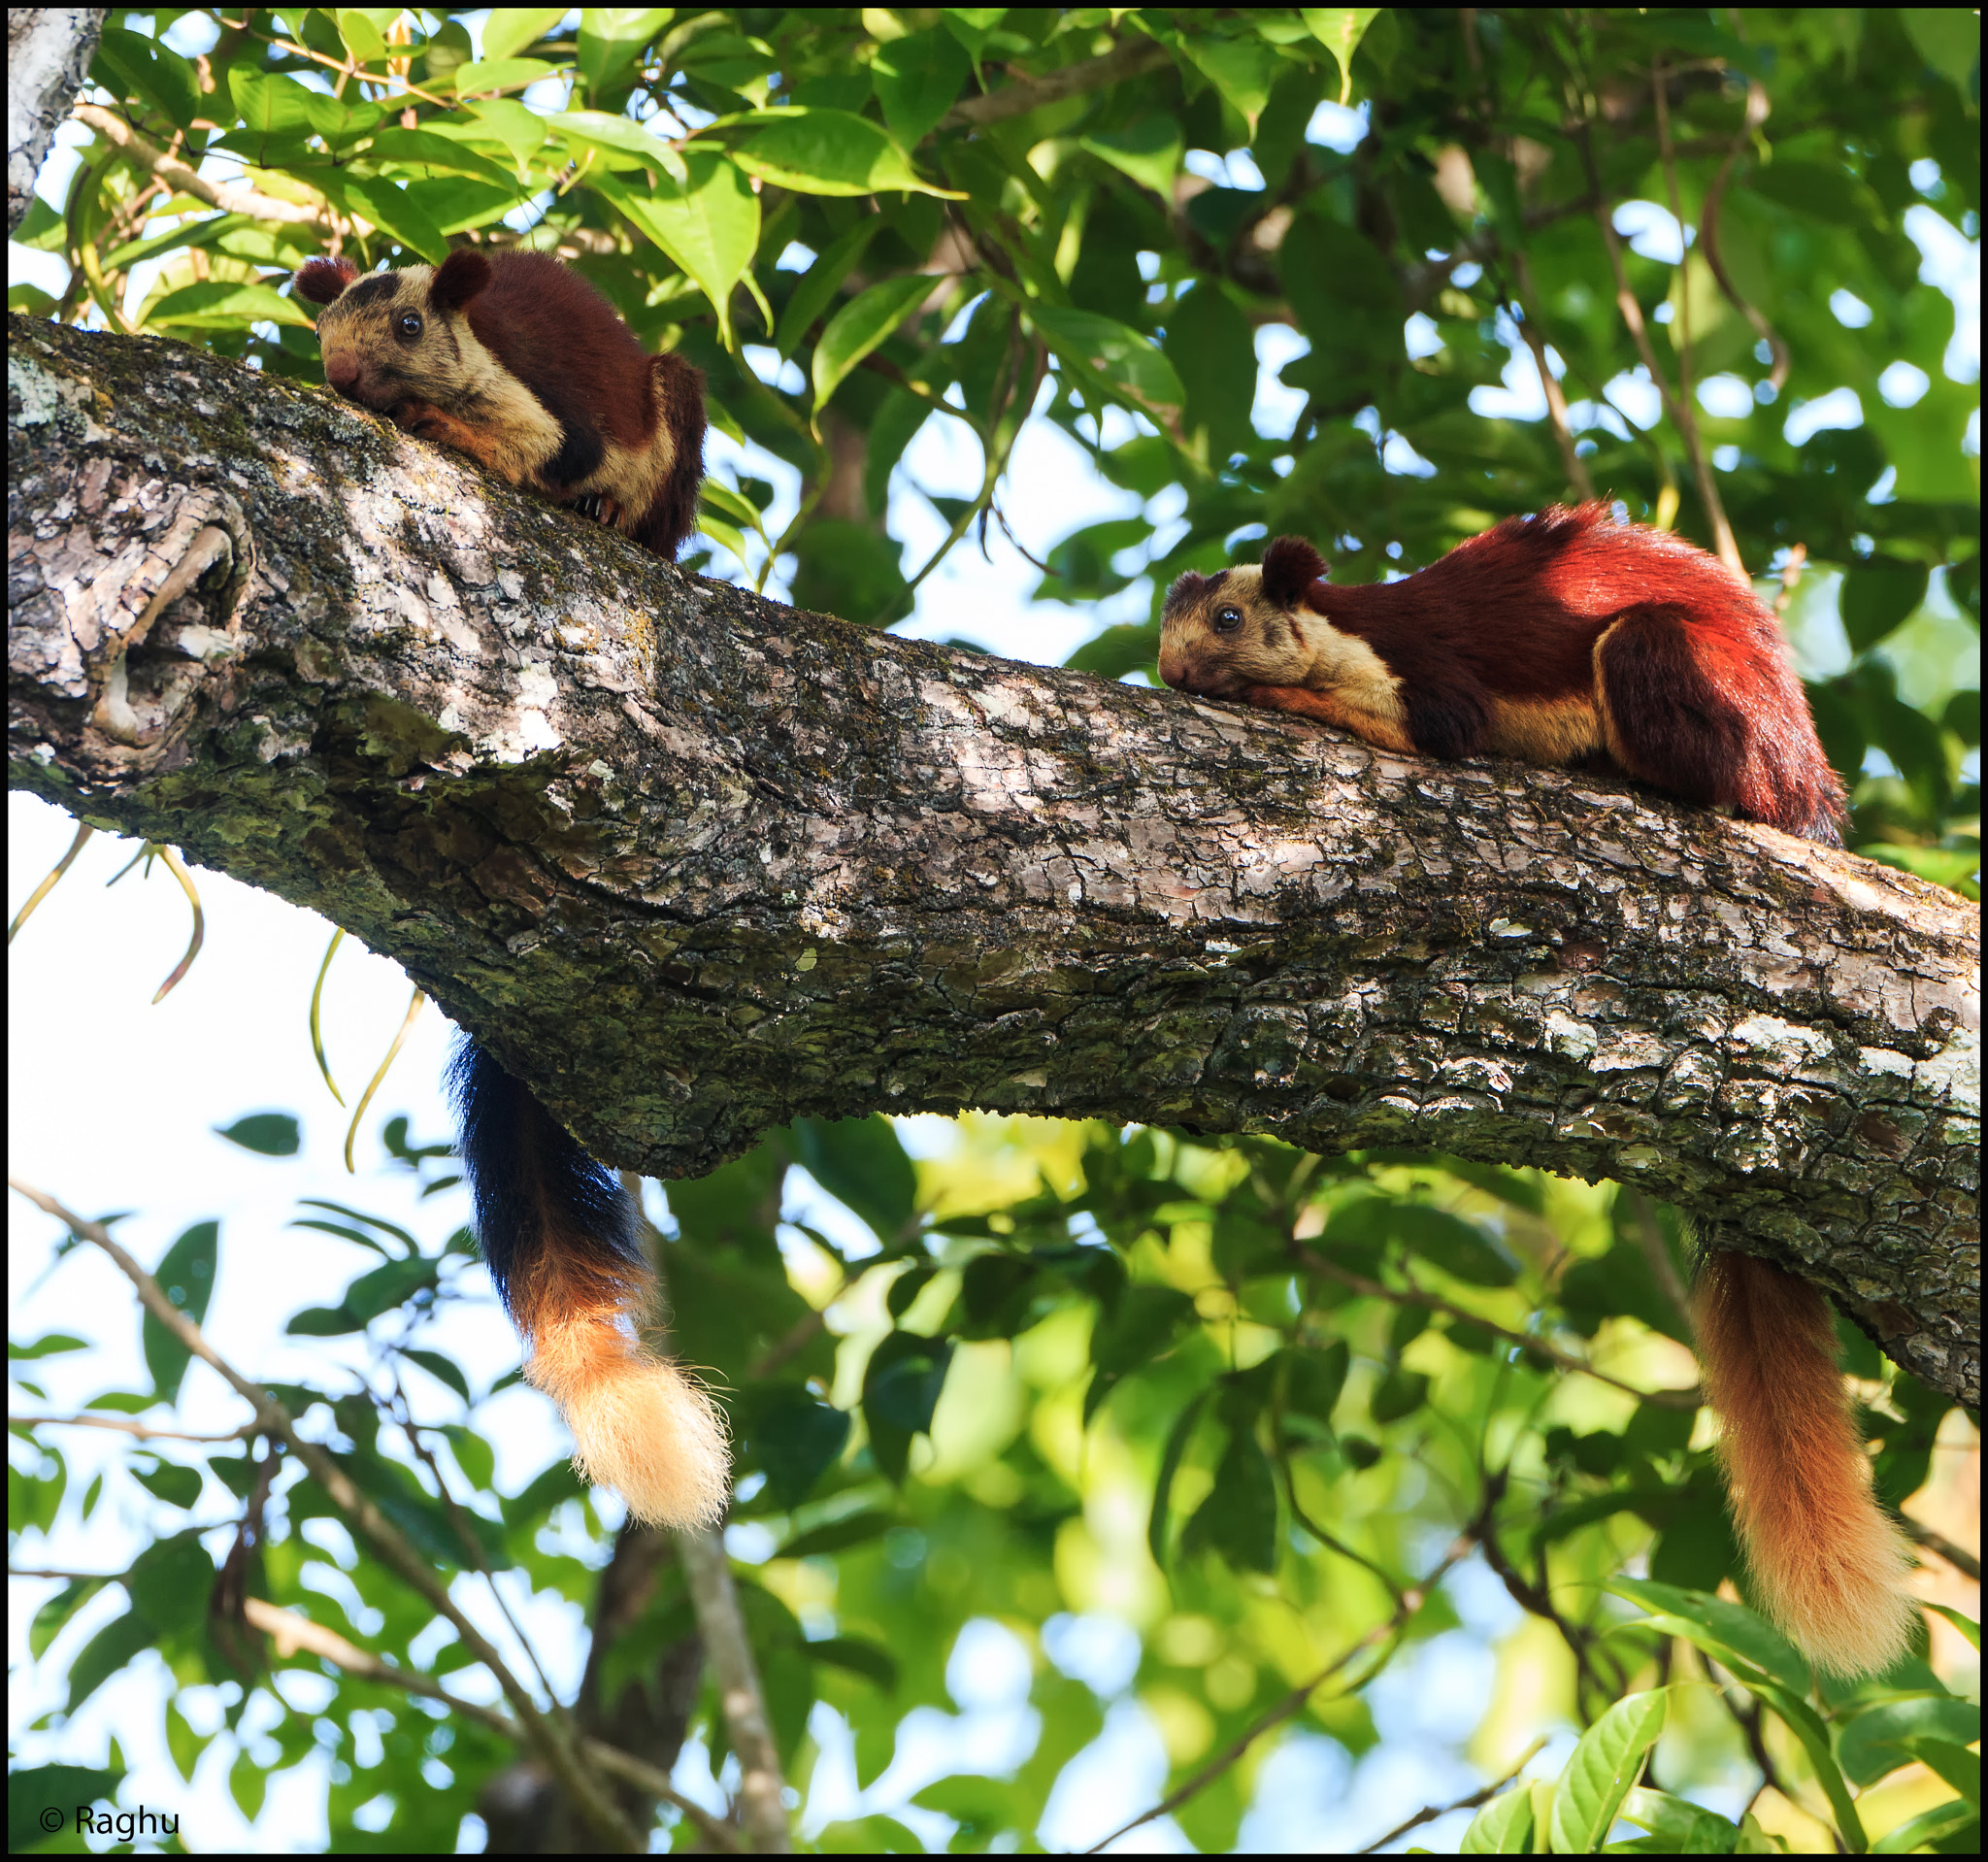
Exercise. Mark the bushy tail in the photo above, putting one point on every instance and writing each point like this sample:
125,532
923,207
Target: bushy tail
1825,1557
564,1245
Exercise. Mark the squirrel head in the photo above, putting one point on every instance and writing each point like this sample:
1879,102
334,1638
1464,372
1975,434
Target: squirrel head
1242,627
392,337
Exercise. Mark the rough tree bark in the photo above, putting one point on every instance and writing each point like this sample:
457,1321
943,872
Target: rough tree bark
694,864
49,50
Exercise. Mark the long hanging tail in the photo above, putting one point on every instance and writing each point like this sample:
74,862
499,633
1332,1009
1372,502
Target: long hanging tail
1825,1557
564,1247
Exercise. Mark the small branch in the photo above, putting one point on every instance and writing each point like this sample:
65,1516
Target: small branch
1571,462
1414,1296
126,1425
1292,1703
1708,239
761,1787
1966,1562
229,197
1680,412
292,1633
1133,59
595,1803
1470,1803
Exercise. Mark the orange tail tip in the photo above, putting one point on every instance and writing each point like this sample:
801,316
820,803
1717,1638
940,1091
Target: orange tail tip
1825,1558
639,1424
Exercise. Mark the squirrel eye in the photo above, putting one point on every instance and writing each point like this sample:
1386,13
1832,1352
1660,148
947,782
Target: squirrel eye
1228,619
410,323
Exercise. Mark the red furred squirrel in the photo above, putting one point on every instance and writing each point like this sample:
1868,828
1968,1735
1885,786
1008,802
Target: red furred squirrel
520,363
1563,637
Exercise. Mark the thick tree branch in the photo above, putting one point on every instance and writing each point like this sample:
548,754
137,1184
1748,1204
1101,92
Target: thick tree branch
695,864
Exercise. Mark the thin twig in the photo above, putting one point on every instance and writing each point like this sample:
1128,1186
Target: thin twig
1414,1296
1470,1803
1575,466
1681,415
127,1425
229,197
292,1633
594,1802
1132,59
1708,239
1293,1703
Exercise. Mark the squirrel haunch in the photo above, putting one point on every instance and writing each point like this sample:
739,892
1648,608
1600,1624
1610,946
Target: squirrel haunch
518,361
1563,637
1558,637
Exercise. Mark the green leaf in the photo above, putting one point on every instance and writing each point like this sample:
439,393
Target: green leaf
1948,39
420,151
1605,1765
502,73
389,206
177,1486
1339,30
1178,1439
444,1370
794,1439
131,65
37,1792
1878,597
185,1276
1241,69
120,1641
610,38
857,1529
850,570
388,1286
271,1134
1400,1393
1148,150
1117,650
1505,1825
830,151
509,30
858,1657
1313,1379
1125,359
50,1344
624,144
1676,1826
916,78
1209,344
1238,1518
1459,1247
474,1455
862,1164
709,225
821,280
1878,1740
1730,1633
1138,1327
1952,1763
861,326
218,304
1931,1829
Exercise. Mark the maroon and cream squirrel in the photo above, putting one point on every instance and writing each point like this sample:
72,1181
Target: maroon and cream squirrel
1562,638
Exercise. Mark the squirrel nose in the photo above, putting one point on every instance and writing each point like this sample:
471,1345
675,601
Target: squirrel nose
341,370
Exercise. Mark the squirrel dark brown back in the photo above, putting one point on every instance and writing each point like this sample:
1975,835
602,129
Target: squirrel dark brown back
518,361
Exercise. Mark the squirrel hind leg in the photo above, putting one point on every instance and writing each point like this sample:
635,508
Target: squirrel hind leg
1663,720
1825,1558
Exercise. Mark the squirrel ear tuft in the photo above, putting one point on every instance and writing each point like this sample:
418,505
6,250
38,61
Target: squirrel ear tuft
1290,566
1186,587
459,277
323,280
